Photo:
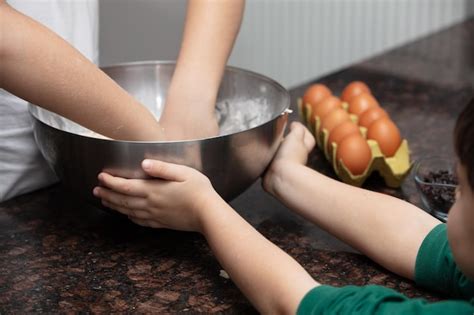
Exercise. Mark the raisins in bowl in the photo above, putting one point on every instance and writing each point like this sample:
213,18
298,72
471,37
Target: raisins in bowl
436,182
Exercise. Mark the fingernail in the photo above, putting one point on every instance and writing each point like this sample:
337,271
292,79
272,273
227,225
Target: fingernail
146,164
100,176
95,191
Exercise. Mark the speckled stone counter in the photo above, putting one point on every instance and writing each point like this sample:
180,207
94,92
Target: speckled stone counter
60,255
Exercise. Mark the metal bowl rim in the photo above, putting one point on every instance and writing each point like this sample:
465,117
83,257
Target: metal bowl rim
170,62
184,142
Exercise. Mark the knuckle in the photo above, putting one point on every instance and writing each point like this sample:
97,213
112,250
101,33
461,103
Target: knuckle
143,215
124,202
126,187
106,195
160,168
152,200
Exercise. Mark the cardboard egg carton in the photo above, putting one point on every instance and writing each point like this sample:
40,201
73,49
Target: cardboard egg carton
393,169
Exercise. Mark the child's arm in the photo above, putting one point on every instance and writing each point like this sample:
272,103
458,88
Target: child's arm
388,230
209,34
185,200
40,67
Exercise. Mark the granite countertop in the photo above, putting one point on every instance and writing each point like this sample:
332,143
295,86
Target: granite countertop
60,255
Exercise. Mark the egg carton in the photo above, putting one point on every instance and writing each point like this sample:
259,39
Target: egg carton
393,169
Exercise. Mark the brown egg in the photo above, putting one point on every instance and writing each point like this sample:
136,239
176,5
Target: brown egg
362,102
354,151
371,115
340,132
387,135
353,89
315,94
333,119
326,106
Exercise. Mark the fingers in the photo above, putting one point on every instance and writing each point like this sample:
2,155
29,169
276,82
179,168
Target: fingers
296,134
130,187
300,132
297,131
130,213
147,223
139,217
120,200
163,170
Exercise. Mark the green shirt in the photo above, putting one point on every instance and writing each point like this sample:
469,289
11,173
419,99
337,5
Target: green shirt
435,269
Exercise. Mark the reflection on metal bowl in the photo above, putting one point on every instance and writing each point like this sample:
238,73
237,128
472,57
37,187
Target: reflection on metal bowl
252,112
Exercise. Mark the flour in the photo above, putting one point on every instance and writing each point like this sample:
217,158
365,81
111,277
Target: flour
242,115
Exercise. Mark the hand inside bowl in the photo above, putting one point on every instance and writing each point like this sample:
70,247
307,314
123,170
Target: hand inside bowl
189,111
179,124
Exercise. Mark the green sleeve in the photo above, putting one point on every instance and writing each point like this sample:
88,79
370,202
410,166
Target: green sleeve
373,299
436,269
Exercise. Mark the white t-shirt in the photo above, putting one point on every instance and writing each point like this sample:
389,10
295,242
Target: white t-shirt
22,168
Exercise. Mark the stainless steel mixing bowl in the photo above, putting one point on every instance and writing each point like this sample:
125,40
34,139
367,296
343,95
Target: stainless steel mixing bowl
231,161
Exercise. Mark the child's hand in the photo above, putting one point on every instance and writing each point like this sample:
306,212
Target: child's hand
293,150
189,112
182,123
174,200
296,146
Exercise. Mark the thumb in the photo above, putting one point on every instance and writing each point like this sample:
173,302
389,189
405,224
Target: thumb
297,131
300,132
164,170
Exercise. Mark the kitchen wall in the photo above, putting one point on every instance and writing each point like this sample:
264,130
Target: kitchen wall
291,41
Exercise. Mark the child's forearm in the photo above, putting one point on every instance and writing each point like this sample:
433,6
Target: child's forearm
40,67
210,31
273,281
388,230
